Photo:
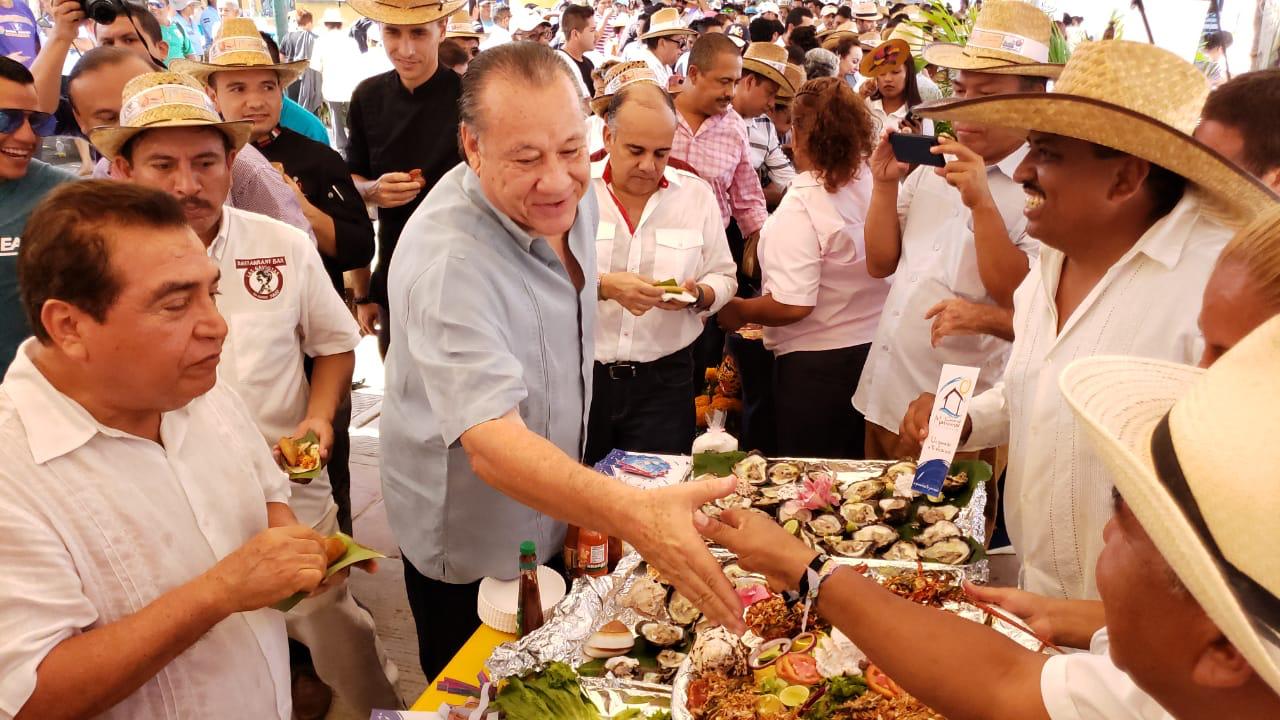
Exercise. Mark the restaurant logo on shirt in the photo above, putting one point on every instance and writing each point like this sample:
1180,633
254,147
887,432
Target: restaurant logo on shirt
262,276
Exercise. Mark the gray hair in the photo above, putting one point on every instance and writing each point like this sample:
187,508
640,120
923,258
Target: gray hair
819,63
621,98
524,64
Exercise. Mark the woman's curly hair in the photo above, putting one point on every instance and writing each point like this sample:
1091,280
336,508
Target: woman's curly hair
835,128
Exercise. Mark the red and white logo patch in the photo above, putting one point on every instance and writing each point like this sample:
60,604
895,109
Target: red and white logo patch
262,276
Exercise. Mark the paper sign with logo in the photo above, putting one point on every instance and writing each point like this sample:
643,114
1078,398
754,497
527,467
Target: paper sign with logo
950,408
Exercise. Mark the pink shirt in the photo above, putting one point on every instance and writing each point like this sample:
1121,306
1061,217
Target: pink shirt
811,253
721,155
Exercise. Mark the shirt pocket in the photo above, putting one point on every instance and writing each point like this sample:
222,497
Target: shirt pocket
678,253
264,345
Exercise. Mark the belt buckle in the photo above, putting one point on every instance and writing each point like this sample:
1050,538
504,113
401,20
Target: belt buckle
622,371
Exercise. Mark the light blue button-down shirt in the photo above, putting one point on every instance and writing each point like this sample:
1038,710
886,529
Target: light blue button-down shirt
485,319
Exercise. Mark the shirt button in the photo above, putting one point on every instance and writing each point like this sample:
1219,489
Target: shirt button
937,246
914,277
884,348
896,313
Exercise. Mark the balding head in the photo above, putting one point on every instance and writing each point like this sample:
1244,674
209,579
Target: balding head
97,82
640,128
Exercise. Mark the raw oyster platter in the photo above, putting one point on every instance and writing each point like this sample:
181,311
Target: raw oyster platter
865,509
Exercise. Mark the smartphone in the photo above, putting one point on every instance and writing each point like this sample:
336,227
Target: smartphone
914,149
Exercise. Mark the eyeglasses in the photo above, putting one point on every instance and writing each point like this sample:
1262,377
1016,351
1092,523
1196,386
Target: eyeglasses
42,123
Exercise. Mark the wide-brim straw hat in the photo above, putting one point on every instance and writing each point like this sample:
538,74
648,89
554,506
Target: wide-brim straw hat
1180,444
915,37
162,100
845,29
886,56
238,46
1133,97
867,11
664,23
870,40
795,78
462,26
769,60
619,76
406,12
1009,37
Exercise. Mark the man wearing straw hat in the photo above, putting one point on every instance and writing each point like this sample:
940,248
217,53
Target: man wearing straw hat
957,235
404,127
1188,573
481,444
663,44
656,222
867,16
280,307
763,80
466,32
1131,211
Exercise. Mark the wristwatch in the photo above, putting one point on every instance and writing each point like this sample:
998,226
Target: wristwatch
366,300
697,302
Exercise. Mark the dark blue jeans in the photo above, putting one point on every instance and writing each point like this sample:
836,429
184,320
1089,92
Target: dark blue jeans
642,407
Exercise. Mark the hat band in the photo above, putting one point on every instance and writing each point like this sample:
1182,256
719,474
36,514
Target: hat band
237,43
629,77
1257,600
158,95
779,66
1009,42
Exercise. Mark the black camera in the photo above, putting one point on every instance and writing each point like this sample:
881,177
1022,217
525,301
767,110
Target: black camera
103,12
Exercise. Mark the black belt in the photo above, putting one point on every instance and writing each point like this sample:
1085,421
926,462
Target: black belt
628,370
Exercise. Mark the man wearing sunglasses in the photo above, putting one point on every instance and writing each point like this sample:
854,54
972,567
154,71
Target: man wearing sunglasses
23,182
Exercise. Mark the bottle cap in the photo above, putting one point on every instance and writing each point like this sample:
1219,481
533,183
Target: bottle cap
528,548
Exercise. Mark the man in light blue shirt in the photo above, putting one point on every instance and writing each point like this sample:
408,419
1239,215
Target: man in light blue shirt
493,296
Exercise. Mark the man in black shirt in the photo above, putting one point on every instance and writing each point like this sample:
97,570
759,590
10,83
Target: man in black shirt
578,24
403,134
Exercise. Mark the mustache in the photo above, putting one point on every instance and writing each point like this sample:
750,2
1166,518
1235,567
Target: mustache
1029,185
194,203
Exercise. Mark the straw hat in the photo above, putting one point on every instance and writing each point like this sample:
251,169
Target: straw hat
462,26
406,12
866,11
915,37
164,99
768,60
1132,97
1009,38
619,76
795,78
664,23
889,55
239,47
870,40
1180,444
845,29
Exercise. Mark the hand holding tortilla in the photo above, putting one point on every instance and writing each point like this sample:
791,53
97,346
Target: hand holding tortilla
341,552
300,457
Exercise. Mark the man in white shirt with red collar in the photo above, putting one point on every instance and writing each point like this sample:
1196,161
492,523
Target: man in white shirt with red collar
135,493
280,307
656,223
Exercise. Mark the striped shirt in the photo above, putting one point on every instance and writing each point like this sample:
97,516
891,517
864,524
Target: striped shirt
772,165
720,154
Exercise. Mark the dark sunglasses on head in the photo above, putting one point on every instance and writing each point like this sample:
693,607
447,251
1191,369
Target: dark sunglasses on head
42,124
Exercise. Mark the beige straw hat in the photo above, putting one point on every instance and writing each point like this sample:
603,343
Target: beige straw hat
867,11
870,40
1132,97
406,12
1009,37
619,76
845,29
1181,445
915,38
769,60
664,23
164,99
239,47
462,26
795,78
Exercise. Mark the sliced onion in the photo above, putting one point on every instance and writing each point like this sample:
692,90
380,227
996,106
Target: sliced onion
804,642
773,648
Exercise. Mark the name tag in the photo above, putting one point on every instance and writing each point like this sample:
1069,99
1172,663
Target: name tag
679,239
950,408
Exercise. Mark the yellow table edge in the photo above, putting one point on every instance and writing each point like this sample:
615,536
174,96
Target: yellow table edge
464,666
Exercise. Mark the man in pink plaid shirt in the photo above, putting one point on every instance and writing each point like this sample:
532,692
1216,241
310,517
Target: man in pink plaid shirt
712,137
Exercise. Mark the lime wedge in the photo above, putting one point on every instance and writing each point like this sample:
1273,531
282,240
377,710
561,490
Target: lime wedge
770,705
794,696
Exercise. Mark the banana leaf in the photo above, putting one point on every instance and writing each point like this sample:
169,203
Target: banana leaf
298,474
355,553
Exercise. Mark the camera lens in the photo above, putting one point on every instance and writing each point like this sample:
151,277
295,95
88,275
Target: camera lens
103,12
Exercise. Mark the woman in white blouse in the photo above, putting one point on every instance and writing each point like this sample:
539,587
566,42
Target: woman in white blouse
892,96
820,306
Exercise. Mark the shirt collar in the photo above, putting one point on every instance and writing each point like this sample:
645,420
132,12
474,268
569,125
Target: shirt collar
57,425
219,244
471,186
805,179
1165,240
602,170
1010,164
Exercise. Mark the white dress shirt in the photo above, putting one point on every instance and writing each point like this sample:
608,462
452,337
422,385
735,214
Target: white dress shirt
893,119
812,254
279,306
95,524
639,51
1057,492
336,56
938,261
679,235
1089,686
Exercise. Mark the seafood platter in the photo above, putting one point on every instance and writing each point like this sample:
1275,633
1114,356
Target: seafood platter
862,510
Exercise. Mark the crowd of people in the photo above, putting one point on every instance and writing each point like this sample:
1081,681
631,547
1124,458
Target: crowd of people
555,221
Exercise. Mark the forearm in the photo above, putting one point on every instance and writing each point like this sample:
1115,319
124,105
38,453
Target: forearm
359,279
323,227
997,321
85,675
881,234
47,70
364,186
1001,264
771,313
530,469
1075,622
918,647
773,193
330,383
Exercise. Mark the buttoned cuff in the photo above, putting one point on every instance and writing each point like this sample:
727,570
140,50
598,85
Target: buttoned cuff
990,417
724,286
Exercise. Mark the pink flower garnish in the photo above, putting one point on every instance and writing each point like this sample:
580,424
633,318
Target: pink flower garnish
817,492
752,594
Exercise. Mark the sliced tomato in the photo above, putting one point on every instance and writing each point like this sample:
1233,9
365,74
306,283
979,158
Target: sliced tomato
881,683
697,694
798,669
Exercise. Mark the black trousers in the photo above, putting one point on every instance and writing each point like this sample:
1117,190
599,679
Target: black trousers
642,407
445,616
812,393
759,417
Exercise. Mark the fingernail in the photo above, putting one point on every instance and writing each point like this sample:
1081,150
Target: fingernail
700,520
